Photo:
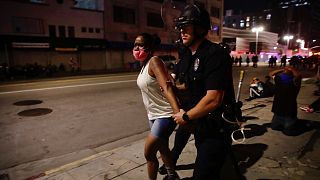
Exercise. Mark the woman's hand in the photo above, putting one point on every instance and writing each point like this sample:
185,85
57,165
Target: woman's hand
178,117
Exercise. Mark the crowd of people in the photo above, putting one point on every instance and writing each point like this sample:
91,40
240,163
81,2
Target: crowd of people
297,61
237,60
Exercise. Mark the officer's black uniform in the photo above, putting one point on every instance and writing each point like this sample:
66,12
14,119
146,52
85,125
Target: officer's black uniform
210,68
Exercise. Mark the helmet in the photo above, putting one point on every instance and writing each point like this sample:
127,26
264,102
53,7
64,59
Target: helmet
193,14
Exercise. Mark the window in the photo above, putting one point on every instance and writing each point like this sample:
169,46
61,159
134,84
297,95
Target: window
89,4
90,30
52,31
242,23
215,12
154,20
268,17
60,1
38,1
71,33
62,31
234,25
184,1
124,15
98,30
159,1
27,25
83,29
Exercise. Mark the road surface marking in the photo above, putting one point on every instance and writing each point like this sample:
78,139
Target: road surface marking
62,87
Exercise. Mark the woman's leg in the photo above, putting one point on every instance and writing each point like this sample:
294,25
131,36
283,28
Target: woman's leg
150,153
161,129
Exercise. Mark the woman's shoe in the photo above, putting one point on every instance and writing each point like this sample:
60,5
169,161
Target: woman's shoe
162,170
173,177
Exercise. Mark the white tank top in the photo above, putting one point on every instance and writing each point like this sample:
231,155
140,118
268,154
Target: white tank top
155,102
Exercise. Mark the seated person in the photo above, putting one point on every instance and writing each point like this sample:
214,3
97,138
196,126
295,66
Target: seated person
255,89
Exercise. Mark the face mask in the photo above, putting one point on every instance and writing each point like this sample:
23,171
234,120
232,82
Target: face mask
140,55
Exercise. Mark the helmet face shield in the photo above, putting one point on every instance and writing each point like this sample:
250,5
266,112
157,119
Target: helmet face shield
181,22
193,15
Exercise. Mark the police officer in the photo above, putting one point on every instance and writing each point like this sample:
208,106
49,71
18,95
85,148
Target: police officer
205,75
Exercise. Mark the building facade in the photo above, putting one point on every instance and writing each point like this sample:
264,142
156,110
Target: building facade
299,18
243,43
90,34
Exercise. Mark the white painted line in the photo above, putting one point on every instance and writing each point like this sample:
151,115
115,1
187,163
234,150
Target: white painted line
70,79
62,87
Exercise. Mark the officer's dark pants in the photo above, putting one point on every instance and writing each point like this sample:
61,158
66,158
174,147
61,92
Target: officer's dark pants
211,154
181,139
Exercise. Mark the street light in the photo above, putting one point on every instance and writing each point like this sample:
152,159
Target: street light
288,38
257,30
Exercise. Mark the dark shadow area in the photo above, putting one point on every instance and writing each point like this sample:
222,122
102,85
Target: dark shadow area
247,118
254,130
308,147
240,158
248,154
27,102
185,166
255,106
302,126
4,177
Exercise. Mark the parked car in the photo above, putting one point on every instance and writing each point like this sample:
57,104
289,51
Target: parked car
169,60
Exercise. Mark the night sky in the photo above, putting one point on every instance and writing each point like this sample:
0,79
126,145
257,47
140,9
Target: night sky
245,5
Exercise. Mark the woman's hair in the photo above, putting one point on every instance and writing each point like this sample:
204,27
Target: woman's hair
151,42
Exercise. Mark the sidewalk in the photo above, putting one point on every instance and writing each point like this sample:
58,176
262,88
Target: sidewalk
265,154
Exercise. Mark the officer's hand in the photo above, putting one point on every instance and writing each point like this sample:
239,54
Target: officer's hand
178,117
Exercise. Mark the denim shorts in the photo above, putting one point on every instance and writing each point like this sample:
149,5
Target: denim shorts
162,127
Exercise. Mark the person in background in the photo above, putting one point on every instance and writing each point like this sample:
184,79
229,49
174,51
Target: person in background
287,86
248,61
255,89
240,61
283,61
255,60
160,103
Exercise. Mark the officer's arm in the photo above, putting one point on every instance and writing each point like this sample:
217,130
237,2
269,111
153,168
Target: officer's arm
207,104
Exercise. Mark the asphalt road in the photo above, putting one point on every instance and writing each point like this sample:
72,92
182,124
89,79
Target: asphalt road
75,114
81,114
